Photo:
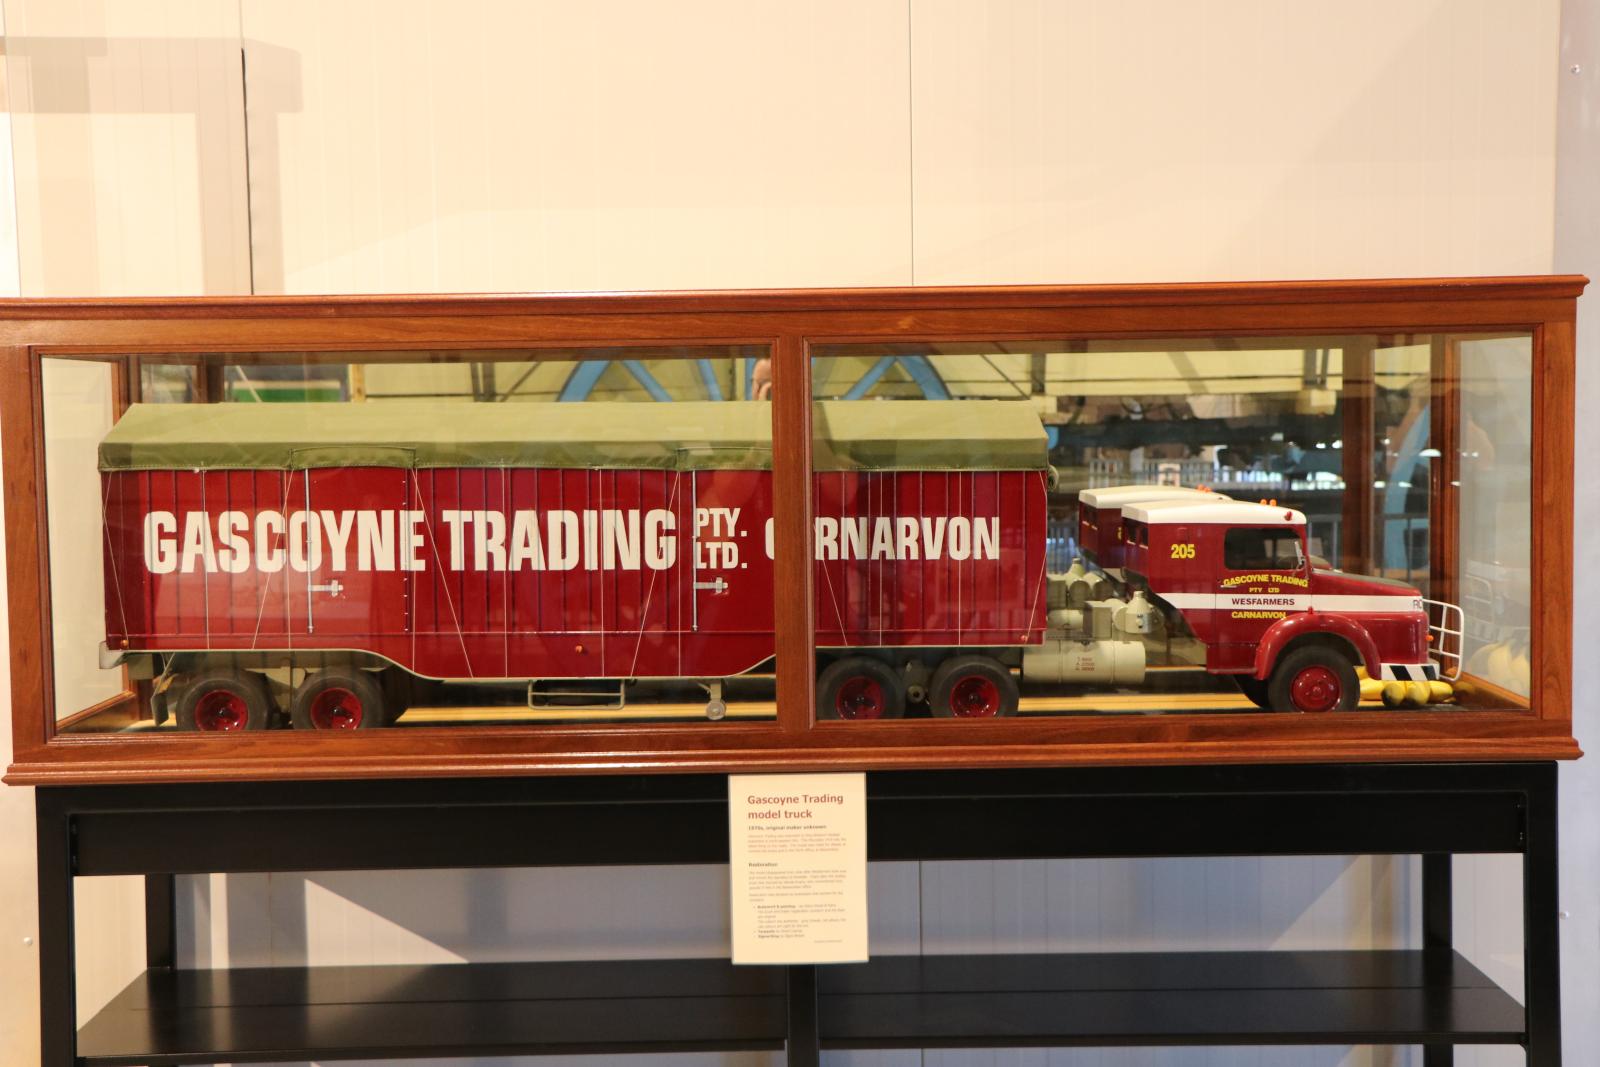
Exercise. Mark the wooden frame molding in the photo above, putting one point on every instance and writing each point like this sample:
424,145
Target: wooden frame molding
788,324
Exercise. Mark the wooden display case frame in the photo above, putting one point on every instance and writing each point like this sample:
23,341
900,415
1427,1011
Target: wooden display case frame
789,322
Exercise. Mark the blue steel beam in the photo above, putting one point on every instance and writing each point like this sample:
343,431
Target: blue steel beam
581,382
1408,457
917,368
869,379
642,375
927,379
708,374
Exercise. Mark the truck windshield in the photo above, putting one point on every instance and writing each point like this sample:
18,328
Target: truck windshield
1255,548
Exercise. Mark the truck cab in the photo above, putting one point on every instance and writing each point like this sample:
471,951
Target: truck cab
1290,632
1100,529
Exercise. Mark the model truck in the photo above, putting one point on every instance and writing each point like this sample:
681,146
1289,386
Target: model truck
311,562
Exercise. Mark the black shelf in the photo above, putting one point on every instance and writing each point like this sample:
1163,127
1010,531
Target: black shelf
1428,996
1162,998
619,1007
256,1015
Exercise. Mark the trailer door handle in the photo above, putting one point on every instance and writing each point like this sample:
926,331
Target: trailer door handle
335,587
718,586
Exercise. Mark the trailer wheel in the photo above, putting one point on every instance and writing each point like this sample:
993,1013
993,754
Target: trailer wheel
972,687
1254,689
338,699
224,700
860,688
1314,678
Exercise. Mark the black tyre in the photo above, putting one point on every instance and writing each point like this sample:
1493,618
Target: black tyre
972,687
339,698
858,687
224,700
1313,678
1255,690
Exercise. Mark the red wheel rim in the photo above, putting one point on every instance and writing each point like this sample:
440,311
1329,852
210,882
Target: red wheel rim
859,698
974,697
220,709
1316,688
336,708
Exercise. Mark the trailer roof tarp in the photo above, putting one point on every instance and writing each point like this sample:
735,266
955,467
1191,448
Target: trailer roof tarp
685,435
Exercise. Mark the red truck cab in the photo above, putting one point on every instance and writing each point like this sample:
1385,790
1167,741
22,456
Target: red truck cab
1292,634
1100,530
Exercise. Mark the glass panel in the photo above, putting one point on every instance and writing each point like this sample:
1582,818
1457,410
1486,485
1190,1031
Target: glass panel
1402,473
1195,525
1256,548
1496,554
79,399
351,541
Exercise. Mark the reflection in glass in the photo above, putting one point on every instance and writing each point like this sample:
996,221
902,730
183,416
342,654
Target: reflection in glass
1496,437
1219,524
327,541
79,403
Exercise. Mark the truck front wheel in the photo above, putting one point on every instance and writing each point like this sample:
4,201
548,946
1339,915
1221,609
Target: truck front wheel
1314,678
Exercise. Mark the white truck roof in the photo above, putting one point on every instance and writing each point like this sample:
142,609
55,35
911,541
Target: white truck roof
1213,510
1117,495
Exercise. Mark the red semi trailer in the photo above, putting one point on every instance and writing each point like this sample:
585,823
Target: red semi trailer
319,559
328,550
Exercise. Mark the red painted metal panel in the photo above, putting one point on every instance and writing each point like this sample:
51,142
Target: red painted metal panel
1100,535
521,573
944,558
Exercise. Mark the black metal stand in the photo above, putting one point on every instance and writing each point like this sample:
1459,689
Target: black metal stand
1429,996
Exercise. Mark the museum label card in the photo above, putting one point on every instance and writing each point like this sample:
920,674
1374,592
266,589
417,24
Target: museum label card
797,848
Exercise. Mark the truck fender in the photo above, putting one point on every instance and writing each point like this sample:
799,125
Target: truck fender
1283,632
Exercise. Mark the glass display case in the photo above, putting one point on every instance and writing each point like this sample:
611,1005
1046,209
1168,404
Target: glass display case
1209,524
346,540
462,535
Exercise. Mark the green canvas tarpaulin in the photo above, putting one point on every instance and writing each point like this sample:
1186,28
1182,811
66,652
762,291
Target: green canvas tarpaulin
685,435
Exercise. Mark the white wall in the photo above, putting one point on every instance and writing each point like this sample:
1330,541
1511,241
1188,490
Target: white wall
607,145
628,145
124,166
1178,141
129,133
503,146
19,927
1577,248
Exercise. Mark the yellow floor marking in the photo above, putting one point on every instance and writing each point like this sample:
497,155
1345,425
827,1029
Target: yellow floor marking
1087,703
419,716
